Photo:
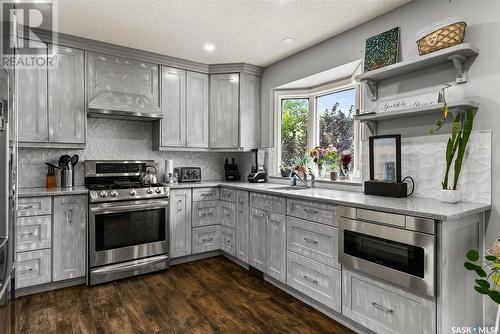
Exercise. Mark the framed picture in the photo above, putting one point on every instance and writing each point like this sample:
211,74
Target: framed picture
382,50
385,158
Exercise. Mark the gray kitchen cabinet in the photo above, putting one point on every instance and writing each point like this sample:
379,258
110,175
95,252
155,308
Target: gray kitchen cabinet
242,225
250,105
69,245
317,212
224,110
32,105
66,98
273,203
227,243
276,246
197,109
173,106
205,213
33,233
34,206
52,106
257,237
227,214
384,308
180,222
206,238
33,268
205,194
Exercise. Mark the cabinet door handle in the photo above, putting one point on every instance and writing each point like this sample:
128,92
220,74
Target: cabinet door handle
382,308
206,239
51,139
179,205
70,216
43,139
310,280
26,271
310,211
311,241
32,206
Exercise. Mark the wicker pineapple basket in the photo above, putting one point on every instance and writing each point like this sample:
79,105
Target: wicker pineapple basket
440,35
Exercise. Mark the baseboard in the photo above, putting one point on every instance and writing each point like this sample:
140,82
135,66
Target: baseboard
194,257
319,307
236,260
49,286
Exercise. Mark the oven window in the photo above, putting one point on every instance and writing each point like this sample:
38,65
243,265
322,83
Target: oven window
129,229
392,254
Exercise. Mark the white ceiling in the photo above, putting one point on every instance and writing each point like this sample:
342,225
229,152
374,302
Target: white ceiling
248,31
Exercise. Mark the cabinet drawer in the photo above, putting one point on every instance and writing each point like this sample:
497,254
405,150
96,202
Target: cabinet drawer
33,233
205,194
227,194
272,203
34,206
384,308
320,282
33,268
313,211
227,214
205,213
315,241
227,239
206,238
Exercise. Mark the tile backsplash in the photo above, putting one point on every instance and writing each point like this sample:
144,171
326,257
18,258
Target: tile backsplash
121,140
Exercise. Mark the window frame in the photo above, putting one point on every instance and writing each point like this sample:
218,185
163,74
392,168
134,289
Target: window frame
313,120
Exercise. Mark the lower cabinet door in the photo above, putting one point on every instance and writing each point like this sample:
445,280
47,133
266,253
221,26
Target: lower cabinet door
180,222
227,240
242,225
384,308
314,279
257,239
205,213
227,214
276,247
206,238
70,221
32,268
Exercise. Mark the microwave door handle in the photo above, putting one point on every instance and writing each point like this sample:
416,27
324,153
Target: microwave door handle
128,208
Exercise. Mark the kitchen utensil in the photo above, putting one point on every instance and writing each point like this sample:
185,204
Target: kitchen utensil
149,176
74,159
64,160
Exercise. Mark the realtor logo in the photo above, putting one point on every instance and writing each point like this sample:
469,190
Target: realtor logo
29,37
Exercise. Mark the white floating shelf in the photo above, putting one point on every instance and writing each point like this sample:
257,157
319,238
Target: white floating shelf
457,55
371,119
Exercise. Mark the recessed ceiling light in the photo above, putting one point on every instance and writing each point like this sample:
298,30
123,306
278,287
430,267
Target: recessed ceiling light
288,40
209,47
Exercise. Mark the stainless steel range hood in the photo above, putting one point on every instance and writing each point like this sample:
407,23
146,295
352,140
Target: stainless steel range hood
121,105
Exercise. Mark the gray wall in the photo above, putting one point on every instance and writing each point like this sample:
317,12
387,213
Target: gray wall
483,31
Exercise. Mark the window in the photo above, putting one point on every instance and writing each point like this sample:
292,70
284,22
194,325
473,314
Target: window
320,118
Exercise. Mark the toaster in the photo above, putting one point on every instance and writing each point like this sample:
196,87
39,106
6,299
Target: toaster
188,174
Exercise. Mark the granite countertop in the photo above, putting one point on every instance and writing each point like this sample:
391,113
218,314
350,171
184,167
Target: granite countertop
42,191
412,206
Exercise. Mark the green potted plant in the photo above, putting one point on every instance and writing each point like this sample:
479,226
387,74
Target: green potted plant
461,129
323,157
487,275
285,171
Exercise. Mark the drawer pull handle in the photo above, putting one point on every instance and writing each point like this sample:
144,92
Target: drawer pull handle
27,207
207,239
310,280
311,241
179,205
226,241
311,211
381,308
206,194
26,271
29,234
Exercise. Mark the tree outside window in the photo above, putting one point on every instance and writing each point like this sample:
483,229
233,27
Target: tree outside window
294,123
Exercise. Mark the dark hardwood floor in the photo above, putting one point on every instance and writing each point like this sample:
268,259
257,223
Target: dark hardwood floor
207,296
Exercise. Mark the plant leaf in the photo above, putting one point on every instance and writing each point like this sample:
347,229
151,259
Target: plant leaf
495,296
483,283
482,290
490,258
480,272
472,255
471,266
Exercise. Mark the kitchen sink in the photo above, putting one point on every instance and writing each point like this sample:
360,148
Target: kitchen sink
292,188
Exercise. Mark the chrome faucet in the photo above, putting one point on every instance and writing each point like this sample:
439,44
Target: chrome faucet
304,179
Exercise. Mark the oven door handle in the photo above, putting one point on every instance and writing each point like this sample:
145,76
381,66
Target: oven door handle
128,208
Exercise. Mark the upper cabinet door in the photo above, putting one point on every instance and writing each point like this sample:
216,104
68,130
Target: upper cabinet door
197,109
115,74
66,97
173,106
32,105
224,110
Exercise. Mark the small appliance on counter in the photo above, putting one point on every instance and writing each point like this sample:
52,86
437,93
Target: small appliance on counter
231,171
258,174
188,174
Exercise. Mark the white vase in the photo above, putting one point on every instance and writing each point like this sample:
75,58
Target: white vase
450,196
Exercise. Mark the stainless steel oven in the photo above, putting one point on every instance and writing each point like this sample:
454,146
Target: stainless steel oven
396,248
127,238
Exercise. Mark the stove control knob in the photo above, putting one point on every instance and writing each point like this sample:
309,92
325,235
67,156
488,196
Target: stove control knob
114,193
158,190
149,190
132,192
103,193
